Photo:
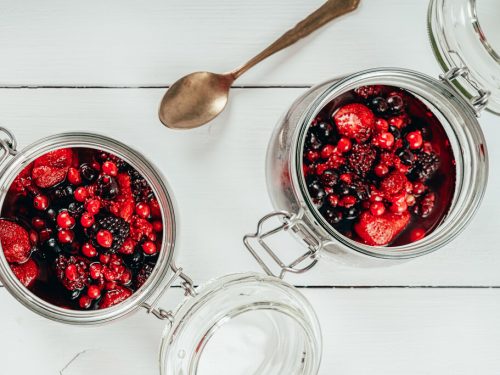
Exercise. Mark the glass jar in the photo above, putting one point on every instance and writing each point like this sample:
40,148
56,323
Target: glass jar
241,304
471,82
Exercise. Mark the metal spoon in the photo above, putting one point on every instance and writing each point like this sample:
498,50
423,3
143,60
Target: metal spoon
199,97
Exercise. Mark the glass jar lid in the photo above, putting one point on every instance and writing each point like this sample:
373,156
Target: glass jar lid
243,324
466,34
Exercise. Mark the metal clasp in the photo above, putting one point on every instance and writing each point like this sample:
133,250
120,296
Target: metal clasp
186,284
292,223
479,101
8,145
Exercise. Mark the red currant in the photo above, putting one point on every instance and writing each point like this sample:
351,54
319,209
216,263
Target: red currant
93,206
84,302
415,139
104,258
93,292
89,250
385,140
327,151
104,238
65,220
381,125
312,156
399,207
38,223
417,234
348,201
149,247
109,168
381,170
344,145
157,226
74,176
41,202
87,220
65,236
377,208
333,200
81,194
142,209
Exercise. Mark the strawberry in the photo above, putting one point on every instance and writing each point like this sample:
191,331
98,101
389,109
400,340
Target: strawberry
115,296
15,241
26,272
52,167
355,121
381,230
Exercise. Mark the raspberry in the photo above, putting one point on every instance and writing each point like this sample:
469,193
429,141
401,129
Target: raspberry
80,266
26,273
114,297
368,91
15,241
362,158
393,184
355,121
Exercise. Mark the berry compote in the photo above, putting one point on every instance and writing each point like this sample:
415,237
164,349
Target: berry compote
379,166
81,228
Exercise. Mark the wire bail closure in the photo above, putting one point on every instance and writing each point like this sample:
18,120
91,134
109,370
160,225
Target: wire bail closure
292,223
479,101
186,284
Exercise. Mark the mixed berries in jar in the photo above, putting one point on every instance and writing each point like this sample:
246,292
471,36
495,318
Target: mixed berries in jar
379,166
81,228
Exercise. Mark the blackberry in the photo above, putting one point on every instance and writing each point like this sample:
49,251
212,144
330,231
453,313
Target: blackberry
143,275
140,187
312,140
118,227
362,158
360,189
425,165
368,91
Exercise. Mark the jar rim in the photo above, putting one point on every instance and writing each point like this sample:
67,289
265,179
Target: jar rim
161,190
466,199
184,342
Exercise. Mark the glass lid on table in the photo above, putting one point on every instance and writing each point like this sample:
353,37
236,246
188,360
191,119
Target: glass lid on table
466,34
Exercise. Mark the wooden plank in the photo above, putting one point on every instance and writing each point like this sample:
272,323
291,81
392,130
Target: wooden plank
218,177
365,331
128,42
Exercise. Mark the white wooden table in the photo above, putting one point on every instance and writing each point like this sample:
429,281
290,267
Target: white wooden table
103,66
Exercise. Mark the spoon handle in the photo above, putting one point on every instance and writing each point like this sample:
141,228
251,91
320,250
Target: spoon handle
321,16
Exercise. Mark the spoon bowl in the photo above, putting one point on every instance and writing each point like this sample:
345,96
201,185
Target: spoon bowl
195,99
199,97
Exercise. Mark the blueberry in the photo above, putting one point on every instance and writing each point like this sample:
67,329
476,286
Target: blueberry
324,131
406,156
395,132
312,141
316,190
342,189
88,173
395,103
379,105
332,216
